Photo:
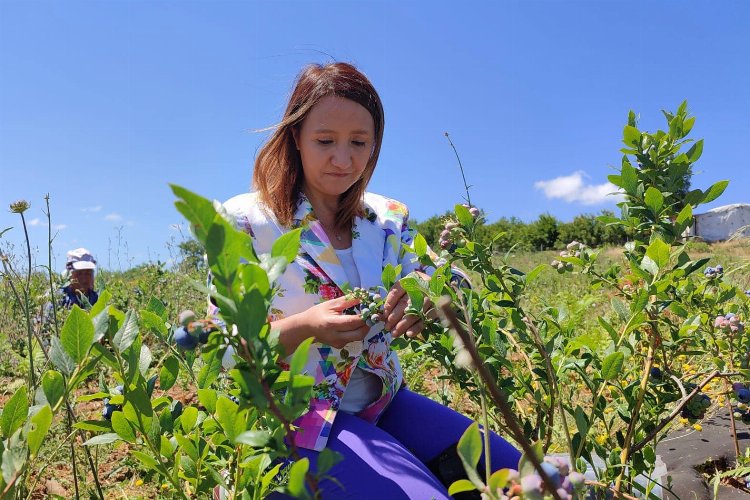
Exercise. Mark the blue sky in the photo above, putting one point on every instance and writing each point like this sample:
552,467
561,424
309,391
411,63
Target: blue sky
102,104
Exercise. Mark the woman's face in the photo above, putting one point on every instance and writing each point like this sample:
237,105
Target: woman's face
335,142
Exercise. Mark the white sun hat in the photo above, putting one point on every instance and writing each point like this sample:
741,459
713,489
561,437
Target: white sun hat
80,258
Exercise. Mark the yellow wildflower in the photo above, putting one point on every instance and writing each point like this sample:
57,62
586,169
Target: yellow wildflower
683,420
601,439
139,482
698,427
165,486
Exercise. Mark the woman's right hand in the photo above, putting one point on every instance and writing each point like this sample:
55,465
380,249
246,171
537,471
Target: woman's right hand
329,325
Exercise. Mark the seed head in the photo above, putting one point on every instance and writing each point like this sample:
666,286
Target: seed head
19,207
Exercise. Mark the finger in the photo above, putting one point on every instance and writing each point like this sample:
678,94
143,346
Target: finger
346,322
341,303
353,335
397,313
394,296
405,324
415,329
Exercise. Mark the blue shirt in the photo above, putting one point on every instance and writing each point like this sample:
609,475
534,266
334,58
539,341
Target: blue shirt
71,298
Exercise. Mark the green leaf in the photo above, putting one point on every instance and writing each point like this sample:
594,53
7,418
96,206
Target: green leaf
658,251
189,418
168,373
122,427
469,449
77,334
256,439
101,323
650,265
94,425
273,266
612,365
654,200
631,136
534,273
151,321
715,191
300,356
685,217
629,179
464,216
695,152
499,479
147,460
287,245
156,306
297,473
53,387
15,412
197,210
144,362
389,275
327,458
40,423
207,398
60,358
420,245
110,437
211,370
461,486
101,304
620,308
226,412
582,421
127,334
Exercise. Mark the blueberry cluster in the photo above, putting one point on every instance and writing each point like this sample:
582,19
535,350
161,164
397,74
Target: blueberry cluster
729,323
452,235
192,332
696,407
109,409
566,481
573,249
713,272
370,307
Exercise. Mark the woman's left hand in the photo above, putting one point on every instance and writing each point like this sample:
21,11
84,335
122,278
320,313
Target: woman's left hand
395,306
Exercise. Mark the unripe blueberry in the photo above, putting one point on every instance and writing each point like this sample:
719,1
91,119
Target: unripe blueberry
365,312
474,211
444,244
377,297
376,318
184,340
719,268
451,225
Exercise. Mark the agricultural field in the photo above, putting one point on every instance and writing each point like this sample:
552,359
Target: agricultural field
596,353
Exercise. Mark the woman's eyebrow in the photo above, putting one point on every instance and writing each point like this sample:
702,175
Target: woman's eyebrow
330,131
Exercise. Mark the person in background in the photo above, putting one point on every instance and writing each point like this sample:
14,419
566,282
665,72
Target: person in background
81,267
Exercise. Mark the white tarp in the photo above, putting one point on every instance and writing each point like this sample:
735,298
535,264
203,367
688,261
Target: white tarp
721,223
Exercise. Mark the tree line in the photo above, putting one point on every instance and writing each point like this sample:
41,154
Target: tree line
545,233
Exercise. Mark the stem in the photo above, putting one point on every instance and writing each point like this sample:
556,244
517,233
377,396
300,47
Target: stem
498,396
637,447
73,458
485,418
625,454
552,380
49,264
466,186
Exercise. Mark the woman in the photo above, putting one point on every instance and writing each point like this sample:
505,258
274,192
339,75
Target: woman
312,173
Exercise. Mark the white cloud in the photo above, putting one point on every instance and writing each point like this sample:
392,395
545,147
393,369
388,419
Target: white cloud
92,209
35,222
573,188
113,217
59,227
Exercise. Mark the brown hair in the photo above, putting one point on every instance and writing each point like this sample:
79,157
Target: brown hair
278,172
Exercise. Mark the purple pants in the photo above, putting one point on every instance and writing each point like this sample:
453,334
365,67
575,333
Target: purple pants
388,460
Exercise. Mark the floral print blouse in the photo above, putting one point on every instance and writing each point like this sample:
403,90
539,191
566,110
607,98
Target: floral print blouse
381,237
